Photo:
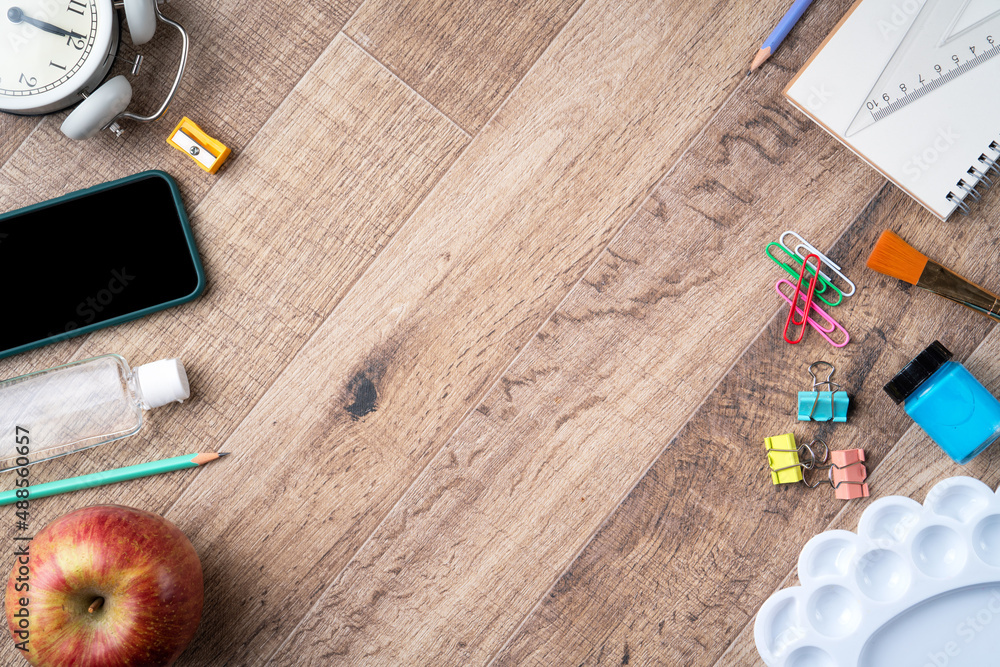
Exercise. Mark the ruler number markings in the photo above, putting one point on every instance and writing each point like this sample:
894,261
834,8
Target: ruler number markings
886,105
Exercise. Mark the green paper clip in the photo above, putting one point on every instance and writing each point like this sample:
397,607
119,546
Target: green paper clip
803,248
822,283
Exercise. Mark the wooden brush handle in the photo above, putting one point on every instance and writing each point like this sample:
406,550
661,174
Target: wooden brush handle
935,278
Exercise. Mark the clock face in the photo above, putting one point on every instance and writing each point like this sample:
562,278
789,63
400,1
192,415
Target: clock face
50,50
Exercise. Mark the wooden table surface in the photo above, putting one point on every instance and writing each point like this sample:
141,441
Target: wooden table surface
489,329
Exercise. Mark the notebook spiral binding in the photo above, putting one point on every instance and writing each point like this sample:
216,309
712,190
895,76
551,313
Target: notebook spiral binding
977,175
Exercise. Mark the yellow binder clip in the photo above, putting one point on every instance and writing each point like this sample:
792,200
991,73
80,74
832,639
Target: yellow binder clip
787,461
209,153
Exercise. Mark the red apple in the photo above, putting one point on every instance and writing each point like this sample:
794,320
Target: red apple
105,586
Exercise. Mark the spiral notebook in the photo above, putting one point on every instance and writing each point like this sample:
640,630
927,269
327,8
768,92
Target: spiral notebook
913,88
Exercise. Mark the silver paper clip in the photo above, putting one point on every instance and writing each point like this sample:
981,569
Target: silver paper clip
803,248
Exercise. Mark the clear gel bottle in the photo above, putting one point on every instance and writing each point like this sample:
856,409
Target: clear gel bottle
948,403
86,403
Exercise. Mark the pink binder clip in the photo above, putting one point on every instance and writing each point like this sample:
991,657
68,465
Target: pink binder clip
847,474
818,319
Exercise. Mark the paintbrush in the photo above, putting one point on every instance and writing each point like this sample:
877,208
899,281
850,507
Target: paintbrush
895,257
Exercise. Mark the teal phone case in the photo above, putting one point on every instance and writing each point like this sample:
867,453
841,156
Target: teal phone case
188,235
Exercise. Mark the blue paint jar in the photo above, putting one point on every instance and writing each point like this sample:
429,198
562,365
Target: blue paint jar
948,403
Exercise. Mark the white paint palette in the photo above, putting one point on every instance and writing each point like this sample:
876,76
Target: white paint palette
917,585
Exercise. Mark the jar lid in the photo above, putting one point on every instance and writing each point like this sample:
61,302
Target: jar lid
917,371
162,382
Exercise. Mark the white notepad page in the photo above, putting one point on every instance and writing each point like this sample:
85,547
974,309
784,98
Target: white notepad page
886,50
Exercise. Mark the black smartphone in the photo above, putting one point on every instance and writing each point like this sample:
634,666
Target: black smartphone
94,258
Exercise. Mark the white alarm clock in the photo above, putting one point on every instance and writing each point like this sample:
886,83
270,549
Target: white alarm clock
56,53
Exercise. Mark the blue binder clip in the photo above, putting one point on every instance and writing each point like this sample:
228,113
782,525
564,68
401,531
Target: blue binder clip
823,406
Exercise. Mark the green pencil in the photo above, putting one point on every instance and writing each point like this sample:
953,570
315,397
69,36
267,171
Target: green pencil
109,477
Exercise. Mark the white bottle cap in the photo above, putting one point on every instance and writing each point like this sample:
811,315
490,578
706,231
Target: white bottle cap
162,382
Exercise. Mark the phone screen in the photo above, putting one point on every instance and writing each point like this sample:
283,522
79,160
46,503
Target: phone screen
78,264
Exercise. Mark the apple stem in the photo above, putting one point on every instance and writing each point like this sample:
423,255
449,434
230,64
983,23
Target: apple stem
95,605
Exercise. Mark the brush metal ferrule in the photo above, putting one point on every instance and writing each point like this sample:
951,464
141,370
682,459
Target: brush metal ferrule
935,278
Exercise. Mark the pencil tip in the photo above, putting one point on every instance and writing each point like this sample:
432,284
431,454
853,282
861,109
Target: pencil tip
760,58
207,457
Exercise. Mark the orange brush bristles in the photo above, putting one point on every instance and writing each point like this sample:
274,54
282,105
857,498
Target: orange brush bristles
895,257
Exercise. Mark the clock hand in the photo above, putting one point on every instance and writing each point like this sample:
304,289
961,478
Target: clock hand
16,15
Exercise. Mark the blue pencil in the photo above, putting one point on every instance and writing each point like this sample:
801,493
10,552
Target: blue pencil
780,31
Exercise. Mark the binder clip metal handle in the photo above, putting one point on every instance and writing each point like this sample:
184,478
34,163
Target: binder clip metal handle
822,406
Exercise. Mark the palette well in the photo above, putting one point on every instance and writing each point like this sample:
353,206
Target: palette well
916,585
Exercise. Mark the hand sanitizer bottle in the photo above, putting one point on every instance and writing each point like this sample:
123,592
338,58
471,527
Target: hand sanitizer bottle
82,404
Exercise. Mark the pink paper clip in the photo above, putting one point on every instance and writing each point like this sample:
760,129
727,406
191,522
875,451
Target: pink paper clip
820,313
794,309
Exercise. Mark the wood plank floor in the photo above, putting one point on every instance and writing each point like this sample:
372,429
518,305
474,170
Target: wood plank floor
489,330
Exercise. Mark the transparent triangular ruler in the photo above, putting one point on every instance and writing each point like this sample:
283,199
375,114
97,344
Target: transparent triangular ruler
945,40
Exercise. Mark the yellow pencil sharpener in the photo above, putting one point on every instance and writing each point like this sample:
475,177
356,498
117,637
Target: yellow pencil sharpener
209,153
